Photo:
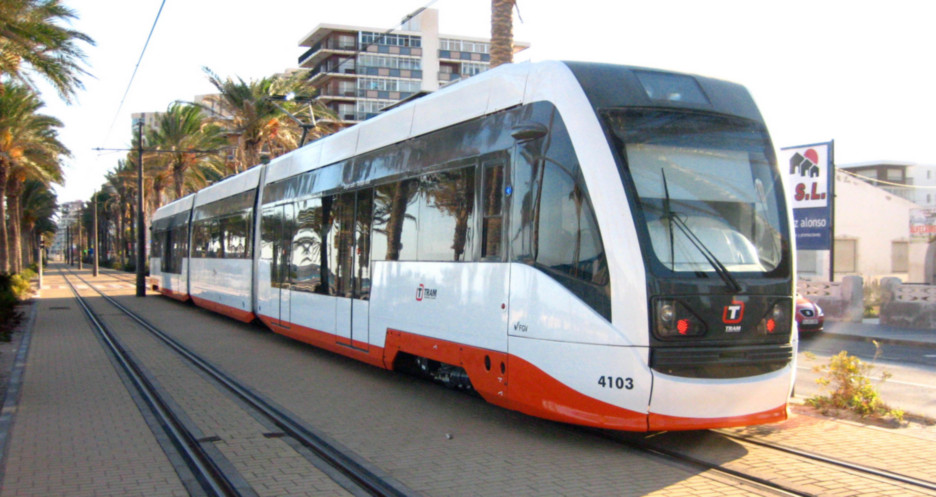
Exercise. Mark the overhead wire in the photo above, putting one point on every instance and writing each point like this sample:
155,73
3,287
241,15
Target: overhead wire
135,69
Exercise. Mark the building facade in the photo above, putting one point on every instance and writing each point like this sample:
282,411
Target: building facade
872,238
67,219
914,182
359,71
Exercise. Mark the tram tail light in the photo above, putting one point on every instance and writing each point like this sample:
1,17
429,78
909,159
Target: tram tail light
672,320
776,320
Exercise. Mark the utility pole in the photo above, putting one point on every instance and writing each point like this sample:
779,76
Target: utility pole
79,239
141,234
68,248
95,249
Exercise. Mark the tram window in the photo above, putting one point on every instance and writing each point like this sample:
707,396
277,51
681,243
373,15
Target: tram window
199,242
214,239
234,236
307,246
342,244
552,224
446,215
396,211
493,203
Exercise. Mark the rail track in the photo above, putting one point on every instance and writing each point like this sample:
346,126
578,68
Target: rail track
771,467
215,474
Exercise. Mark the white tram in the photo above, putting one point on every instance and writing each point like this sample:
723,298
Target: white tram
594,244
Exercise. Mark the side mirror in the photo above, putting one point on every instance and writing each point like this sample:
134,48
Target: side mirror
528,131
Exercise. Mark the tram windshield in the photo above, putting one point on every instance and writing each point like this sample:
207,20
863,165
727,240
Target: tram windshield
706,189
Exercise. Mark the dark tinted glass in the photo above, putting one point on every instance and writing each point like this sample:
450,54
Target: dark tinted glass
396,211
446,215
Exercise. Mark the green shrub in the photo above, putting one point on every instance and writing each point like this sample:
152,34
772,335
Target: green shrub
851,389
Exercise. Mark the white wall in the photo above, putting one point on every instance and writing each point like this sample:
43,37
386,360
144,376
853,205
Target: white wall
875,218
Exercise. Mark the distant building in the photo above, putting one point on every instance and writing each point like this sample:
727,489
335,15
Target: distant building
67,218
358,70
914,182
872,237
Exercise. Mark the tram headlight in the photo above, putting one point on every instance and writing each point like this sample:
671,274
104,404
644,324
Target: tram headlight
776,320
672,320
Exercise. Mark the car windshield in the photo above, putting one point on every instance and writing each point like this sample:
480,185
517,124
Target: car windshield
707,190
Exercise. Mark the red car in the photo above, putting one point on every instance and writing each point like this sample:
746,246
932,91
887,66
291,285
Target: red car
809,316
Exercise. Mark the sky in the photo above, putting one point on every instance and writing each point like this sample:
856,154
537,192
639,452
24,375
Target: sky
858,72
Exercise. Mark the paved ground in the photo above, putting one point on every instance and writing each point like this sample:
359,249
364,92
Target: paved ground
72,429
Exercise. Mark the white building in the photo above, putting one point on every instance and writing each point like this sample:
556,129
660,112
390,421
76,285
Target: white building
914,182
872,238
358,70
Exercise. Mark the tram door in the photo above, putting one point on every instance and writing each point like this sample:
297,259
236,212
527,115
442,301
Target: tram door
351,252
276,249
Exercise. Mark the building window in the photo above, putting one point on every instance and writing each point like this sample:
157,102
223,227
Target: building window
900,257
894,174
369,38
846,255
464,46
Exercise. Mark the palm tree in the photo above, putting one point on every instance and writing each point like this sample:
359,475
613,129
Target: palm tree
501,32
122,183
33,40
38,204
252,115
184,141
28,146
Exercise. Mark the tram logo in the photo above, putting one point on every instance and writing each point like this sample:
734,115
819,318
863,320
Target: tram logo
734,313
425,293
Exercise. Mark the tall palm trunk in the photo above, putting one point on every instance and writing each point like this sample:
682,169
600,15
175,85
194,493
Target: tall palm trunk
501,32
4,245
14,234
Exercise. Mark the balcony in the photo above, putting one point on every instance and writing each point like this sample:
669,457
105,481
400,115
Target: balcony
325,49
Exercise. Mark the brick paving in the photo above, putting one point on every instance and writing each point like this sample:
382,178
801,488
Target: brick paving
435,440
76,430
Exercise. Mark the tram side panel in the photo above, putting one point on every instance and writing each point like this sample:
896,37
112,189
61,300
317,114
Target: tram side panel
223,286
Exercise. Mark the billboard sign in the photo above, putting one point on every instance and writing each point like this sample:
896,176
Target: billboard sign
922,224
810,186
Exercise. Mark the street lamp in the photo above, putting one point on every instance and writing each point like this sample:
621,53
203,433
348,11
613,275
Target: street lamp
141,234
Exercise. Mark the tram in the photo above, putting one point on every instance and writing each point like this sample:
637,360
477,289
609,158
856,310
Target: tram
594,244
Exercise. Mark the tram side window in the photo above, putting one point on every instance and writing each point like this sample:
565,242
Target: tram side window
309,255
446,212
176,248
199,238
156,243
553,224
396,211
234,239
493,211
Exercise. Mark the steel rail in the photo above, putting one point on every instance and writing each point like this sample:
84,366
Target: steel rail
861,468
210,477
348,464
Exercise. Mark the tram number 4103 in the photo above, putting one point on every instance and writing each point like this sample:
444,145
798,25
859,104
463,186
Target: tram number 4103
616,382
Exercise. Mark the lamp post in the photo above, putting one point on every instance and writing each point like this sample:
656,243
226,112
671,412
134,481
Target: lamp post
141,235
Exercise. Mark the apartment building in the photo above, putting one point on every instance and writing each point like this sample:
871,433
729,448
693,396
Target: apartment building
358,71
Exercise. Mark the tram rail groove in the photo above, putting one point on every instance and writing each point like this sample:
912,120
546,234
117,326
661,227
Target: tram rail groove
344,461
211,478
883,473
680,458
645,445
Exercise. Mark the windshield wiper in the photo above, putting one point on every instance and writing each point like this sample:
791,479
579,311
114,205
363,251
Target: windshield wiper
672,219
